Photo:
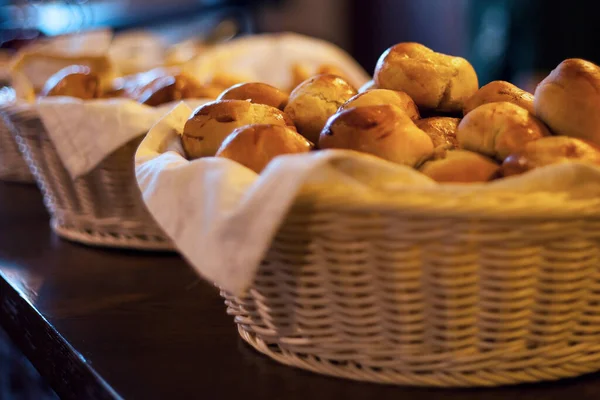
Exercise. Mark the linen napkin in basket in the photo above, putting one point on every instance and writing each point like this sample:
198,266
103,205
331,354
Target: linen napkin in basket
223,216
269,58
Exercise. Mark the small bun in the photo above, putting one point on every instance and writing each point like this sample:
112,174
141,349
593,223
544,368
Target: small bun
315,100
550,150
567,100
74,81
461,166
433,80
256,92
384,131
254,146
499,129
211,123
441,130
498,91
165,89
376,97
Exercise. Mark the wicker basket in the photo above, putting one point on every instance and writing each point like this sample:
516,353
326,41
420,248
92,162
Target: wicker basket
436,292
102,208
13,167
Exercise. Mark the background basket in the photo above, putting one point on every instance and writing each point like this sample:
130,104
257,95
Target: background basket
455,292
104,207
12,165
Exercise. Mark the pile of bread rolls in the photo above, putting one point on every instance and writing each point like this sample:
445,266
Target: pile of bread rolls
157,86
470,134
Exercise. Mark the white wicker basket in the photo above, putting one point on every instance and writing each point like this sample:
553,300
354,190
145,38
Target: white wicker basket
423,291
102,208
13,167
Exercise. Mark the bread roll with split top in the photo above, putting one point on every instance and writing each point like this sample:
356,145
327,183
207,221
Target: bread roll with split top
498,91
254,146
499,129
433,80
377,97
211,123
314,101
383,130
568,100
256,92
550,150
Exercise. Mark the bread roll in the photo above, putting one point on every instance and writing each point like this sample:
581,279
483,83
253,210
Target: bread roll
256,92
567,100
499,129
384,131
75,81
550,150
314,101
433,80
497,91
211,123
254,146
461,166
169,88
377,97
441,130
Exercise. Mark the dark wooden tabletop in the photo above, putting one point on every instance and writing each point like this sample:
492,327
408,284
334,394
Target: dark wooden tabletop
105,323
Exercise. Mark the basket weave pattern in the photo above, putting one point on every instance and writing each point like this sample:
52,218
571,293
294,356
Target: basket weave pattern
414,297
104,207
12,165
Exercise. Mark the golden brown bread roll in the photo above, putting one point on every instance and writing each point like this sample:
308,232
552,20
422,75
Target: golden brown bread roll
169,88
256,92
497,91
433,80
499,129
211,123
375,97
74,81
314,101
384,131
567,100
550,150
441,130
368,86
461,166
254,146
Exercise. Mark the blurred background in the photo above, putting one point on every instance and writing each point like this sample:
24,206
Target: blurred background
515,40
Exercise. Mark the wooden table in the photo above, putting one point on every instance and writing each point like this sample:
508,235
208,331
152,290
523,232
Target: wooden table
105,323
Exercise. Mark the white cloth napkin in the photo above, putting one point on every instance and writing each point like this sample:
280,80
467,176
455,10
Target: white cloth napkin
223,216
269,58
86,132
